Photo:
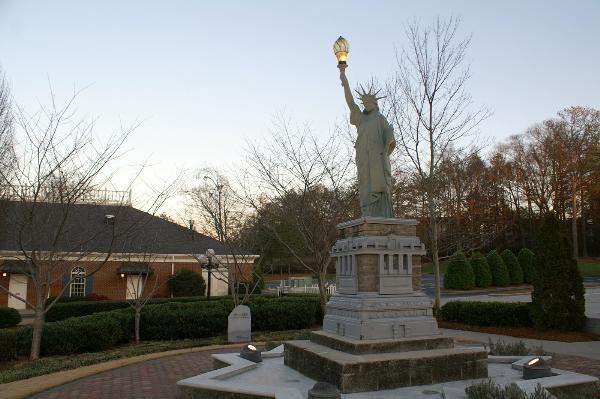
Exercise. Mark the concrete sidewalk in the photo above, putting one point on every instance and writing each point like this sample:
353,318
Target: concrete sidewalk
589,349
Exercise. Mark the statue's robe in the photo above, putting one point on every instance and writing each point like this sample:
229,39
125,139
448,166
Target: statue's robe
374,144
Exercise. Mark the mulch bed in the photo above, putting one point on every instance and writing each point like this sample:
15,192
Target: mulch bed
525,332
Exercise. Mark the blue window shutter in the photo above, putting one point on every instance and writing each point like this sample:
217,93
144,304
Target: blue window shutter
65,281
89,283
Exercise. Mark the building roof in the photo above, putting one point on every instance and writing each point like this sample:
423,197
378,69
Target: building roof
85,228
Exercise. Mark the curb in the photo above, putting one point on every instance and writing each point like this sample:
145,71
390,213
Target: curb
24,388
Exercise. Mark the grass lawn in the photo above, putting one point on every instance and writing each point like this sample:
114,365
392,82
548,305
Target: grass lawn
22,369
589,267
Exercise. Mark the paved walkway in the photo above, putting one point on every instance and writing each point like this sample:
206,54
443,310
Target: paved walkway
154,379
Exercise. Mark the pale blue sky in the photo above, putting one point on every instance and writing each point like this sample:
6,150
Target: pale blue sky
209,75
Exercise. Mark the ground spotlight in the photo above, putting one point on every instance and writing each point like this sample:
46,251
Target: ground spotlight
249,352
536,368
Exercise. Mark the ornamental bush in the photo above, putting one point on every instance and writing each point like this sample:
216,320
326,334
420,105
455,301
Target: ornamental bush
500,276
558,293
515,273
9,317
160,321
481,270
510,314
459,274
186,283
526,258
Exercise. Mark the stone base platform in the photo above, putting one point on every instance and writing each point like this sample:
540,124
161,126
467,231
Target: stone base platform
358,347
371,367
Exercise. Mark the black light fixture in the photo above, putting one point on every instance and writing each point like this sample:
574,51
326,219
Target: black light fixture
536,368
249,352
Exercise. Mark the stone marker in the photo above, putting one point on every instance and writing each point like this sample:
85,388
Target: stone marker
238,324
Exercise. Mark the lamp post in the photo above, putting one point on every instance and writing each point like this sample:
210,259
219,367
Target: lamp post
341,48
209,261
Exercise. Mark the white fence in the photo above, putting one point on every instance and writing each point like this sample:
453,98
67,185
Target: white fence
307,289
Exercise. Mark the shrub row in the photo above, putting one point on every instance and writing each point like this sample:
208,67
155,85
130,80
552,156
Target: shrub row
497,269
174,320
64,310
515,314
9,317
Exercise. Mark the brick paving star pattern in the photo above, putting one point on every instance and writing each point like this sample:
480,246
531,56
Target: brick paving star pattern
153,379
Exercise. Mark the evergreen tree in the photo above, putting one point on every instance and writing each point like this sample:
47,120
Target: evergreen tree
558,293
481,270
512,264
500,276
526,258
459,274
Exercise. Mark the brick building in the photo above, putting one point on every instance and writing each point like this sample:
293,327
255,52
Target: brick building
139,247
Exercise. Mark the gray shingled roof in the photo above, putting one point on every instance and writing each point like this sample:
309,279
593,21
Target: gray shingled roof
84,228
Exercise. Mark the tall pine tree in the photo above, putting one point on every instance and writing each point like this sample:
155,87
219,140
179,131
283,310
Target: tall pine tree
558,293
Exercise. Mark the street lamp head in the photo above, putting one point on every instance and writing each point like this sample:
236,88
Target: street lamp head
341,48
203,259
210,252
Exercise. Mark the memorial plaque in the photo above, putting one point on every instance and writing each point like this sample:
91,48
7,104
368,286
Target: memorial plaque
239,324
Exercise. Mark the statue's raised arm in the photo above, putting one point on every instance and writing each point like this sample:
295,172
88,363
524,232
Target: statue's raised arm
354,109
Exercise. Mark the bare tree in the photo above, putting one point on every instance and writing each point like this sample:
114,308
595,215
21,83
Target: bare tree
303,189
7,153
224,213
431,110
60,164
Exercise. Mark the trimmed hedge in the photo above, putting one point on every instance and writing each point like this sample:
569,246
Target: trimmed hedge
64,310
500,276
526,259
459,274
512,264
481,270
513,314
167,321
9,317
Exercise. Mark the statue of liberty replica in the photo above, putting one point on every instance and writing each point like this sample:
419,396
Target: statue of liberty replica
374,144
378,307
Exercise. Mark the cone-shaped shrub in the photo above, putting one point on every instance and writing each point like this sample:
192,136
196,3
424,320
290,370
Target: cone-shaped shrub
526,261
481,270
500,277
459,274
515,273
557,298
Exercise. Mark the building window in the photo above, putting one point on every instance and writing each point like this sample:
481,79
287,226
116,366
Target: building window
77,281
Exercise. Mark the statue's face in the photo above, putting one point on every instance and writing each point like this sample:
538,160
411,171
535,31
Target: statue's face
369,105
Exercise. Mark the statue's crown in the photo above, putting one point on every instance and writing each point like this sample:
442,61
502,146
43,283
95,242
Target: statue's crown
370,94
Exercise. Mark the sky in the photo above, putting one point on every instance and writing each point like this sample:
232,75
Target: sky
207,77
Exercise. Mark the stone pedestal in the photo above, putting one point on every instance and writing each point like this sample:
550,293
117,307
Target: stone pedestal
377,295
379,331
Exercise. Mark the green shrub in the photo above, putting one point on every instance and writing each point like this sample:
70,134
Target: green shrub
160,321
64,310
558,293
459,274
8,345
500,276
512,264
85,334
501,348
491,390
481,270
286,313
510,314
526,258
9,317
186,283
